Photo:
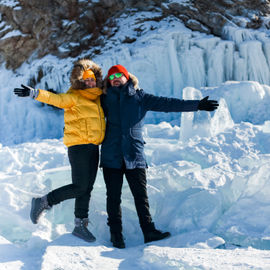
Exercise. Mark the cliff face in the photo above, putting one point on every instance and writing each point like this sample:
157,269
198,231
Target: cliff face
32,29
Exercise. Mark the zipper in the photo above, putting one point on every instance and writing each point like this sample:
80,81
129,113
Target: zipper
99,106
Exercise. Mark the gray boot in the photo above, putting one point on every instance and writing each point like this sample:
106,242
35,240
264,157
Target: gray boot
81,230
37,207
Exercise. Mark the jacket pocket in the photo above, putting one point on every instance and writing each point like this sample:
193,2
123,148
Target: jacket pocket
136,133
89,126
86,127
136,137
83,125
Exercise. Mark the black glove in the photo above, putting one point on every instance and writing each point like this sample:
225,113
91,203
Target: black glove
207,105
24,91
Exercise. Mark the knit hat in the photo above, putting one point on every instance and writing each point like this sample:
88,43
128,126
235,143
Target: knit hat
118,69
88,74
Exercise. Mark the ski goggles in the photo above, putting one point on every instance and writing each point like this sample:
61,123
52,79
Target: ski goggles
116,75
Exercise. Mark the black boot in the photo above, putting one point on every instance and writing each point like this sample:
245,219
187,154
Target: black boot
81,230
155,235
117,240
38,205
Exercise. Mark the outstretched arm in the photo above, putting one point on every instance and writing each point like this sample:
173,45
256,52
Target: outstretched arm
58,100
165,104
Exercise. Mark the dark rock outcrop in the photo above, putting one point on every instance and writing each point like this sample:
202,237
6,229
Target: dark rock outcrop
31,28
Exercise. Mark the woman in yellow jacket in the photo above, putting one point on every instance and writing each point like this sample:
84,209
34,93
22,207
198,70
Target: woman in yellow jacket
84,131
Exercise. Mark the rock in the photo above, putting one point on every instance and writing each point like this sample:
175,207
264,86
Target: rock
16,50
196,26
47,26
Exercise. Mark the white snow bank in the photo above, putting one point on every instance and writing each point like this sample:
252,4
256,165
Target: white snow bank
186,258
209,192
239,101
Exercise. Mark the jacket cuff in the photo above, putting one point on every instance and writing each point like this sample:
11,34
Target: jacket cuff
34,93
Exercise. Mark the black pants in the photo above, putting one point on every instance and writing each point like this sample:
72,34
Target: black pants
137,182
84,163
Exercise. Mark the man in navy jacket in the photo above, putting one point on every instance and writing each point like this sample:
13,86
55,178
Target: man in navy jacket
122,151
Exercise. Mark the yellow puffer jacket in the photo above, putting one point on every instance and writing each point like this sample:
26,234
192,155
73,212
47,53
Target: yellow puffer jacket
83,114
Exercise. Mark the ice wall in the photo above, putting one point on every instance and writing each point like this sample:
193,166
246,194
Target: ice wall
166,64
238,101
204,60
23,119
165,60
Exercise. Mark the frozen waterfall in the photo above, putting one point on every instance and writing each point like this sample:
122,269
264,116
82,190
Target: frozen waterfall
165,60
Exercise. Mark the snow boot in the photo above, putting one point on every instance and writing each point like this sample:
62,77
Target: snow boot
81,230
38,205
155,235
117,240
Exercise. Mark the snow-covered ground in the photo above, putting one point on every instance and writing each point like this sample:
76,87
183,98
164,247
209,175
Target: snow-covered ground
208,178
208,184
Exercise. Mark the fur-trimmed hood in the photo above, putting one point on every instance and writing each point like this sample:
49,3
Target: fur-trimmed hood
76,77
132,77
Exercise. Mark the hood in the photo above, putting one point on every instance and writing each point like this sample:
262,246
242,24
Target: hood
132,77
76,77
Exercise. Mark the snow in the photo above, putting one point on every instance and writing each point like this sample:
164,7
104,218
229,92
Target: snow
208,175
209,189
166,60
206,192
10,3
179,1
14,33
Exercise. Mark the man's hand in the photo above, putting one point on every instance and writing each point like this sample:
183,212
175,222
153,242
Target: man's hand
207,105
24,91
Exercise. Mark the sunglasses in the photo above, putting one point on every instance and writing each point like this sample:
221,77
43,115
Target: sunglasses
116,75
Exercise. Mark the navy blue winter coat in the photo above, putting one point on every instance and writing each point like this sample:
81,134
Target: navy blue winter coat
125,108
